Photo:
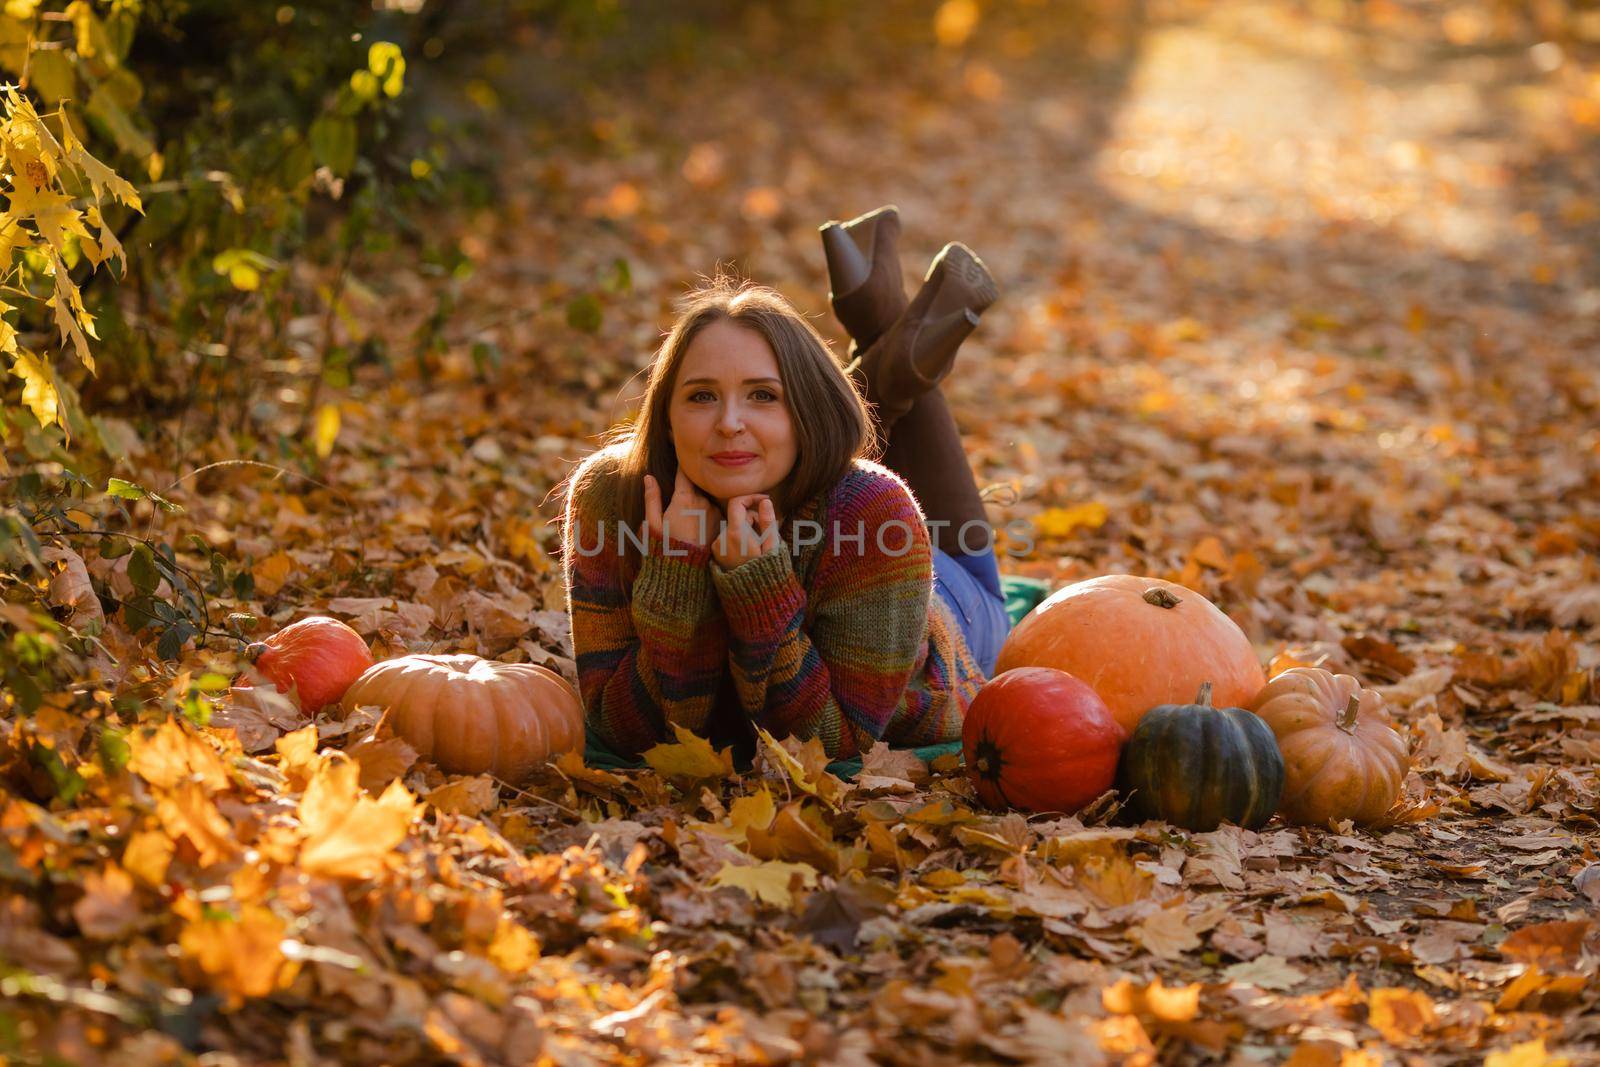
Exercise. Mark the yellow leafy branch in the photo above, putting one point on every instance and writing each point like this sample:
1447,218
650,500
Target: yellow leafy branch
42,217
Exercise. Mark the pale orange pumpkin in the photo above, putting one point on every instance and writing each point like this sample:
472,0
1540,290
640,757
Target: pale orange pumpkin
1342,758
1138,642
471,715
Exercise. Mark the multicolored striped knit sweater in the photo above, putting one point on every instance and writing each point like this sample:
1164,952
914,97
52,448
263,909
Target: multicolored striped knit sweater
843,640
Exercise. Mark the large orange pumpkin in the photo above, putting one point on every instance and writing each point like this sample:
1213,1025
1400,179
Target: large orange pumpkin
472,715
1342,759
1138,642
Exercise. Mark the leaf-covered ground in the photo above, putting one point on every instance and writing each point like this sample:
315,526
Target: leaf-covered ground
1299,312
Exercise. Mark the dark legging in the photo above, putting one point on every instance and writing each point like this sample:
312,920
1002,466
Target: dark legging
924,447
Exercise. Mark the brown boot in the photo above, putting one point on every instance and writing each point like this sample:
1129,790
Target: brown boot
917,352
864,273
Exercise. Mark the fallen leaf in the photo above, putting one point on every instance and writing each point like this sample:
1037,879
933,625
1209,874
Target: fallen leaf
298,757
1167,934
348,835
172,753
71,587
242,956
833,916
1527,1054
109,908
271,573
383,761
691,756
1402,1016
768,882
1552,946
1265,972
466,796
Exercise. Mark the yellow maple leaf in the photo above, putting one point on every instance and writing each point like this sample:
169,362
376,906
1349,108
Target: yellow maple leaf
188,811
1528,1054
38,385
756,810
690,757
243,957
1400,1015
745,814
1060,522
102,179
297,756
147,856
513,949
170,754
11,235
1174,1004
72,318
348,835
807,770
51,211
767,881
469,796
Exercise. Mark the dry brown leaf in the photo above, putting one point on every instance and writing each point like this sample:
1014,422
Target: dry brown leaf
109,908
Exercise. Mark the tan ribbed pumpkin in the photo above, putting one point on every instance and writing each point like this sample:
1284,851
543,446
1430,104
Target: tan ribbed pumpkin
471,715
1342,759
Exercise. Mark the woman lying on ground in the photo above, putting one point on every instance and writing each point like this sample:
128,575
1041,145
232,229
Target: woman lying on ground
735,558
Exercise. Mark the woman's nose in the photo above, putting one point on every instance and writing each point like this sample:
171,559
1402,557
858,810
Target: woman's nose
730,422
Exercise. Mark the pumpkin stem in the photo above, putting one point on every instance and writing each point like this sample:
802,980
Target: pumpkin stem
254,649
987,759
1204,699
1160,598
1347,717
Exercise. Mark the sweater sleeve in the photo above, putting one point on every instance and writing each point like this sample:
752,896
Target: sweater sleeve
842,677
654,660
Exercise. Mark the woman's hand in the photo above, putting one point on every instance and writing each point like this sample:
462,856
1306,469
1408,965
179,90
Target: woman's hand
751,531
688,517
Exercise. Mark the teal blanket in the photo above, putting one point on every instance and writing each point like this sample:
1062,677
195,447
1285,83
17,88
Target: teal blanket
1022,596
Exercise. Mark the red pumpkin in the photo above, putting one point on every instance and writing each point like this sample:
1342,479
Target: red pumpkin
1041,740
317,656
1139,643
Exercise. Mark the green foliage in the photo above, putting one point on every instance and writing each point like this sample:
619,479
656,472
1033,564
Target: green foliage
255,161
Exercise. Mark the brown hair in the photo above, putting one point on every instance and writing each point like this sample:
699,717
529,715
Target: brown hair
832,426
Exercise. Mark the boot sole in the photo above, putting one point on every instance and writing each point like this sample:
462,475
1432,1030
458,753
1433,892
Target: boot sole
975,286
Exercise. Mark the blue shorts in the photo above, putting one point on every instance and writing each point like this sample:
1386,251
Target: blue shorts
971,586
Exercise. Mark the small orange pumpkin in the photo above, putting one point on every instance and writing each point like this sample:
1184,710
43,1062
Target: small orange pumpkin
318,657
1342,758
471,715
1139,643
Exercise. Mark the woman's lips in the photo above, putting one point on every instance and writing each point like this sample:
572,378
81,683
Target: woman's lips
733,459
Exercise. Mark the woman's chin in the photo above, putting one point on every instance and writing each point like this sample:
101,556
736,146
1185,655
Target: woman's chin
732,481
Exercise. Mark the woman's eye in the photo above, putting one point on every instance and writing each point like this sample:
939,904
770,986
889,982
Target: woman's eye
702,395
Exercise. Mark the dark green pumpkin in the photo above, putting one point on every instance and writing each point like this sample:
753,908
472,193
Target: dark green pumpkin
1197,766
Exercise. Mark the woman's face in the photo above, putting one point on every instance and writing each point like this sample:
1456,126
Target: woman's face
729,417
